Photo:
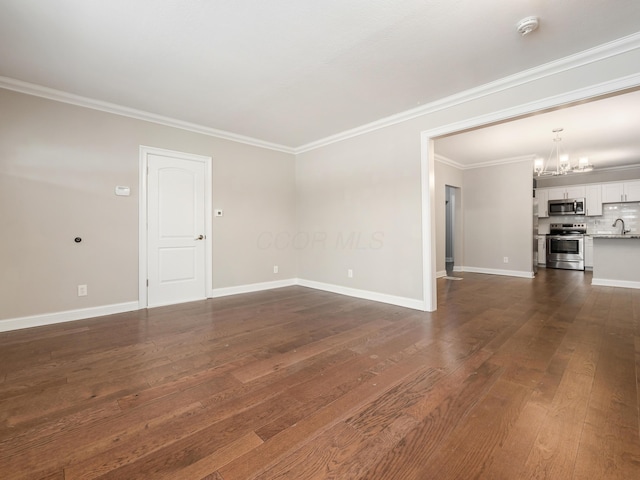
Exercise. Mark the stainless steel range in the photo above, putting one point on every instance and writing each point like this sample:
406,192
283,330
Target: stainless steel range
565,246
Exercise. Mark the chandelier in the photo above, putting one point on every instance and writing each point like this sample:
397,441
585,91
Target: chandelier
560,160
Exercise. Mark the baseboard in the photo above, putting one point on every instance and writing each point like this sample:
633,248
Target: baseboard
604,282
252,287
493,271
84,313
67,316
441,273
81,314
365,294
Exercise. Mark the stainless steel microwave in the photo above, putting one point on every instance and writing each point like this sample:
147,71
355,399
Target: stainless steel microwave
570,206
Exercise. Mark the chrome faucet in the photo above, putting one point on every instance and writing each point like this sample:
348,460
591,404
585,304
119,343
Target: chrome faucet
623,230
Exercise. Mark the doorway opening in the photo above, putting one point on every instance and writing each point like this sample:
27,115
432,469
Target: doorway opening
428,137
452,230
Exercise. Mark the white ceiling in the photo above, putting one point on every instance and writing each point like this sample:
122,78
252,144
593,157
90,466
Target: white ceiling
290,72
607,131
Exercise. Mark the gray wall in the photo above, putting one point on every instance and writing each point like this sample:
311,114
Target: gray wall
591,177
338,184
498,217
364,199
360,196
489,228
59,165
452,176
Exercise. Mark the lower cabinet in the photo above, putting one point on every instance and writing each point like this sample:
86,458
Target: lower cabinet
542,250
588,251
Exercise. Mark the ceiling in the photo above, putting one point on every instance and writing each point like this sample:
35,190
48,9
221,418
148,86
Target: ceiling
607,131
290,72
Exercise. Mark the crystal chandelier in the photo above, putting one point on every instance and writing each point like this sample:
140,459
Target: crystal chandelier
561,161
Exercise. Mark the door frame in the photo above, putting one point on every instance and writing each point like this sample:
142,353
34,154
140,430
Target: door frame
142,217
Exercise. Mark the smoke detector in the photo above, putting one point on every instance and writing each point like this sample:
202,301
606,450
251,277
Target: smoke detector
527,25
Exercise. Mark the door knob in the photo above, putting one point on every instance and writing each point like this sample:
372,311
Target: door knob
200,237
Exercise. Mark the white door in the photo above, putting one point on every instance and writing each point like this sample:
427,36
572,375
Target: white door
176,229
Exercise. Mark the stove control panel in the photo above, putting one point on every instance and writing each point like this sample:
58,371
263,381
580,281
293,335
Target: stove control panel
566,228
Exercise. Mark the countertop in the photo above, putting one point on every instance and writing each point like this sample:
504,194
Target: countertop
613,235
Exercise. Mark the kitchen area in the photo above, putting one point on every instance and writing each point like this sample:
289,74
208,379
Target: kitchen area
591,226
584,161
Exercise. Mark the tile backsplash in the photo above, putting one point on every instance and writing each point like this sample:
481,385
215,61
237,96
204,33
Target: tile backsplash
629,212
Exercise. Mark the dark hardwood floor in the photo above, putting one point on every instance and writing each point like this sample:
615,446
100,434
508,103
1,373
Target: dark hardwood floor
510,379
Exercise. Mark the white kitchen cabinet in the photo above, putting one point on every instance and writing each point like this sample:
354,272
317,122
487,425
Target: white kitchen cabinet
594,199
556,193
577,191
569,191
542,195
612,192
588,251
621,192
542,250
632,191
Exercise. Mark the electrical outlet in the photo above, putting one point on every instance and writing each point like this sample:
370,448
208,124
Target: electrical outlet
505,259
275,269
350,273
82,290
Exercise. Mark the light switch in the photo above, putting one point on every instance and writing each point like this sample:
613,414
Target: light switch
123,191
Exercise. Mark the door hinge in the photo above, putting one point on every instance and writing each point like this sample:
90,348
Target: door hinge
147,282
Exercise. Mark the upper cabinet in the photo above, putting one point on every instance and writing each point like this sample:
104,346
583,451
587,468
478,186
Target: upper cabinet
578,191
632,191
595,195
612,193
542,195
594,199
564,193
621,192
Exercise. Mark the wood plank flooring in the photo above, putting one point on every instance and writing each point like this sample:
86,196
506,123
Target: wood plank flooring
510,379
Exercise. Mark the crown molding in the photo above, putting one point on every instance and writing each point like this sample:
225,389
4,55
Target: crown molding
64,97
585,57
526,158
503,161
447,161
491,163
595,171
601,52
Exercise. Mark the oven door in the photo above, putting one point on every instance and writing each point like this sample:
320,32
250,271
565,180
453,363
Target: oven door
565,251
